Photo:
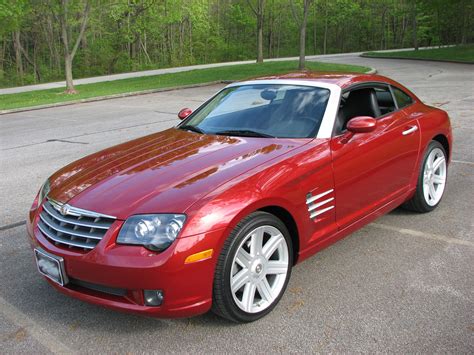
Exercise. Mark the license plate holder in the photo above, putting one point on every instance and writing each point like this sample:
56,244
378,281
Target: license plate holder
51,266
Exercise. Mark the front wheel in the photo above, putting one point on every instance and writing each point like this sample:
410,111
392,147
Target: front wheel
431,180
253,268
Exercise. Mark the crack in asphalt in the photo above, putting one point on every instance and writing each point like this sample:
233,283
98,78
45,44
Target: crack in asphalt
66,139
12,225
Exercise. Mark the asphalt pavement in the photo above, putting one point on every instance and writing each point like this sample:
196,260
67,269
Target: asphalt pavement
404,283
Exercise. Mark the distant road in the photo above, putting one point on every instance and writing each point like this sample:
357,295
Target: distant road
98,79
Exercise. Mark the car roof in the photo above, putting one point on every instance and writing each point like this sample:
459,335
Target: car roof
341,79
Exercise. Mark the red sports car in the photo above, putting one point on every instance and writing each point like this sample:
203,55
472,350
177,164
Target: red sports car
214,213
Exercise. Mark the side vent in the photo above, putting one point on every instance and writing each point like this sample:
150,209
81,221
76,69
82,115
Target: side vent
320,203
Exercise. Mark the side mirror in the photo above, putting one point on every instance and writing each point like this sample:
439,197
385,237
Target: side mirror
185,112
361,124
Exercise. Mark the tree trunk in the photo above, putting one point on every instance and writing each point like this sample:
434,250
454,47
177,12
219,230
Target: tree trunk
315,43
260,40
65,34
415,34
18,59
259,12
68,71
301,21
325,40
2,57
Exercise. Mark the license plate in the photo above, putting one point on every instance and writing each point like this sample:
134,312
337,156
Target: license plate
51,266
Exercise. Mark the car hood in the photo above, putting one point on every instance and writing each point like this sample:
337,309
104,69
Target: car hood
163,172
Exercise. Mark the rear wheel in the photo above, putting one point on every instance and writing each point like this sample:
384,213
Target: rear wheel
253,268
431,180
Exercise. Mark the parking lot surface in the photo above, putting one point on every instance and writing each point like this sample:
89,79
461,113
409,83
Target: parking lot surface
404,283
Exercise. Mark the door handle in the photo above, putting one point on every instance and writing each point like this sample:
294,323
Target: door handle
410,130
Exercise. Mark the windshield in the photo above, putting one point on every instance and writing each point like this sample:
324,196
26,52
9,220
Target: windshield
283,111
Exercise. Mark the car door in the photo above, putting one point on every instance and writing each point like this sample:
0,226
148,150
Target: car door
371,169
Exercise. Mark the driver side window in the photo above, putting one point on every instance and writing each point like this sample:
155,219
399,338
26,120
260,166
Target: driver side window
368,101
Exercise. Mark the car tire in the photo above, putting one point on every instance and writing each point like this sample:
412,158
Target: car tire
427,198
251,276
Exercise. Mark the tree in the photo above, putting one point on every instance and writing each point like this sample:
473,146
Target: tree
67,27
259,13
301,20
414,25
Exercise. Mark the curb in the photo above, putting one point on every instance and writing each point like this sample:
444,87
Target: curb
125,94
114,96
419,59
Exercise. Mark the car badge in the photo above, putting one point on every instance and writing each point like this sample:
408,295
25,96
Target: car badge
64,210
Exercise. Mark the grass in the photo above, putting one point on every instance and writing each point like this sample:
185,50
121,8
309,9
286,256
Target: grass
234,72
458,53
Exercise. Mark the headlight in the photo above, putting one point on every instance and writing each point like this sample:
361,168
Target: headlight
153,231
44,191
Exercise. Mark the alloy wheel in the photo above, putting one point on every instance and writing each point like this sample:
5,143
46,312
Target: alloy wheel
434,177
259,269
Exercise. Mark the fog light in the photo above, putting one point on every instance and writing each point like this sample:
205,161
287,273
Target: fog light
153,297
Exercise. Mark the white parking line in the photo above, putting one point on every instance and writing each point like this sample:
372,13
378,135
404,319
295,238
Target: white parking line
33,329
463,162
423,234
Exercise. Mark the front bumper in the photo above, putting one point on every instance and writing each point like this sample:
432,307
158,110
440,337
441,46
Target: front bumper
128,270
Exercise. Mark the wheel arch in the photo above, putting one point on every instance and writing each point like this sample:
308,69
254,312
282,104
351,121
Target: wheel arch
290,223
443,140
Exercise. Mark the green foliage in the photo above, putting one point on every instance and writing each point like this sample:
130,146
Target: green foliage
131,35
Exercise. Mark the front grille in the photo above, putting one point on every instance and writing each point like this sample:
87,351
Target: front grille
72,227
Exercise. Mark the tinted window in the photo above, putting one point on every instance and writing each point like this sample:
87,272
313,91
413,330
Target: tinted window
284,111
402,98
384,100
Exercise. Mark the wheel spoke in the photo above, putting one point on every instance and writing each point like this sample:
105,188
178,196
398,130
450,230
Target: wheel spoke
271,245
239,279
243,258
438,179
429,162
265,290
432,191
256,241
276,267
437,163
249,296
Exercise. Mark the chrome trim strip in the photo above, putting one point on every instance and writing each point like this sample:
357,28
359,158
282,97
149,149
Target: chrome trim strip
74,211
319,204
317,213
314,198
63,241
58,216
69,231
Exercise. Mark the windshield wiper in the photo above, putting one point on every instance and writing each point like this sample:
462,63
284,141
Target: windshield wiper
188,127
243,133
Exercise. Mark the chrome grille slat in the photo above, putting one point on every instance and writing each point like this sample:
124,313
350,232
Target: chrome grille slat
53,213
72,227
73,232
61,240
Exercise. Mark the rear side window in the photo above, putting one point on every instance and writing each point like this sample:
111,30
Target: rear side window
385,100
402,98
